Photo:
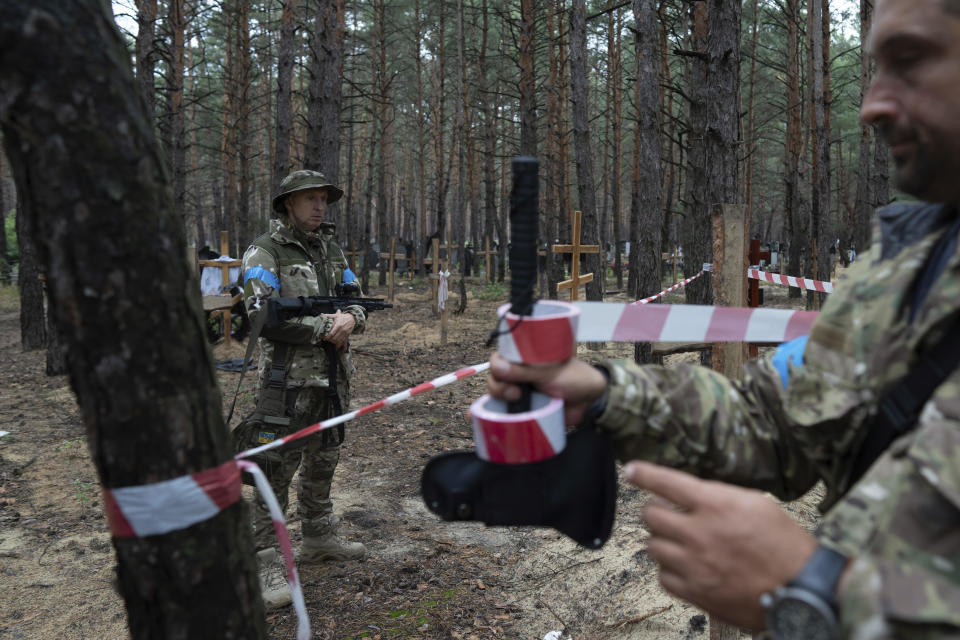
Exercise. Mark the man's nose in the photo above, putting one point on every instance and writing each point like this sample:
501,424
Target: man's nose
879,105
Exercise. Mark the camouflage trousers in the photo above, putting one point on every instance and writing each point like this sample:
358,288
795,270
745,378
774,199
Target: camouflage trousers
316,461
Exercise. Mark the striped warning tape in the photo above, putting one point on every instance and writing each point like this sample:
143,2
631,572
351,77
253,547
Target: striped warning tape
170,505
618,322
280,527
682,283
379,404
790,281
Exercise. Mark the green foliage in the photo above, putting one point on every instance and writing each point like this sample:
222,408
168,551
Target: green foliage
83,491
491,291
407,622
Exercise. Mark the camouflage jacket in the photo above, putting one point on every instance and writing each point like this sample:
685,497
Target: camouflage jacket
783,432
284,262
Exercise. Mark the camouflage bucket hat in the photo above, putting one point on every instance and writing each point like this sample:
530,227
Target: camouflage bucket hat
305,179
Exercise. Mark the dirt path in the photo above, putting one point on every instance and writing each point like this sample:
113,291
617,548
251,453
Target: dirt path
422,579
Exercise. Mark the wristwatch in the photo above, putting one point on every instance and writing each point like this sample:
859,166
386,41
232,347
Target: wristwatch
806,608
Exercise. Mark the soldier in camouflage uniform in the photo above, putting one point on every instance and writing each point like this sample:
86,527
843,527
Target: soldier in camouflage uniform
299,256
802,416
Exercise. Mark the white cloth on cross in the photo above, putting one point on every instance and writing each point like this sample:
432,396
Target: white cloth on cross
211,278
443,291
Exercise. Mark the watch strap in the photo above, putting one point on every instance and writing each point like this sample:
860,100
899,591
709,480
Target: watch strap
822,573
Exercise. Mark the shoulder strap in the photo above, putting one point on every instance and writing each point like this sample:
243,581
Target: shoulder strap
901,404
263,241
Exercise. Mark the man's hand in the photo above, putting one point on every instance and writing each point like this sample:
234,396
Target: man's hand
719,547
575,381
343,325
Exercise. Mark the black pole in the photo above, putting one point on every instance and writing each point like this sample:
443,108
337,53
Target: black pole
523,248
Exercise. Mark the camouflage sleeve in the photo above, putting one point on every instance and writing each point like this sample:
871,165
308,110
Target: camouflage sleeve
692,418
882,600
359,316
260,282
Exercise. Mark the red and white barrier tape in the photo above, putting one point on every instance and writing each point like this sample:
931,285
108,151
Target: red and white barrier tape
178,503
518,438
616,322
436,383
280,527
682,283
549,335
170,505
790,281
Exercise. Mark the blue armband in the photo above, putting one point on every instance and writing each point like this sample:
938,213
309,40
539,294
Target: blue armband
786,353
349,276
261,274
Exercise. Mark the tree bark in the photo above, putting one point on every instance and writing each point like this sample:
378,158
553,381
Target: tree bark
528,98
72,116
820,136
172,122
586,189
242,140
489,144
32,329
281,161
228,136
697,240
146,53
646,213
326,71
796,223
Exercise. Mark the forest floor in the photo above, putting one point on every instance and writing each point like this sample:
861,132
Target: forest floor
422,578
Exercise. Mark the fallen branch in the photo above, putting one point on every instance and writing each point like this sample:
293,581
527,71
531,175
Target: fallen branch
641,618
556,615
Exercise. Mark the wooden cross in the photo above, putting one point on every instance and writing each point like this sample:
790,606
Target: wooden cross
486,253
576,249
390,274
352,254
222,303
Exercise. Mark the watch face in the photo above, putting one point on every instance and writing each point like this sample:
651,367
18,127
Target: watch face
799,619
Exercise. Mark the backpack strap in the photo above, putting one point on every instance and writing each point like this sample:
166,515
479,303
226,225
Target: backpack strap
902,402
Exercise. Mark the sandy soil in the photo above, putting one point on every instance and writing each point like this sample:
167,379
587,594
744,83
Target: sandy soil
422,579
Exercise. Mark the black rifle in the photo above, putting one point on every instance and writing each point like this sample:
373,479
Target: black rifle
281,309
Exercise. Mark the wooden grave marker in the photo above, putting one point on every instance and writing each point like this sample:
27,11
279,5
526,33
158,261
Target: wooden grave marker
576,279
222,303
391,276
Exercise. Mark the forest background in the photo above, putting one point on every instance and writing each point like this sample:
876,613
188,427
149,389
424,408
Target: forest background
644,114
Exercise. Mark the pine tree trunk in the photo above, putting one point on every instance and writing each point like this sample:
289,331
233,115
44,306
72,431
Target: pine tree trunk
281,161
243,237
617,177
645,210
146,53
796,223
820,211
697,241
172,121
528,97
150,406
863,209
586,189
32,326
489,145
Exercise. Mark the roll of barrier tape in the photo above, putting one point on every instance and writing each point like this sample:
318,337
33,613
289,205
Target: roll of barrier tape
518,438
549,335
